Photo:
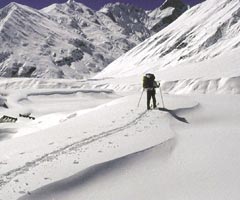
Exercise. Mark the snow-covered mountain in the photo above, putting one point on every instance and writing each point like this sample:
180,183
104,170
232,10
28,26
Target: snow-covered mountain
34,45
67,40
206,35
94,139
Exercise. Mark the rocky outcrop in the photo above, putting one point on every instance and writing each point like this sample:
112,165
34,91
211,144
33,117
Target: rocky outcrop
166,14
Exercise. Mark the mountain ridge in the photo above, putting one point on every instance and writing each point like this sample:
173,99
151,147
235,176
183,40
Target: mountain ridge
67,40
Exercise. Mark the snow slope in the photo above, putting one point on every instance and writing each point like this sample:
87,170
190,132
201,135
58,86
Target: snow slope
194,165
202,52
200,162
114,149
104,139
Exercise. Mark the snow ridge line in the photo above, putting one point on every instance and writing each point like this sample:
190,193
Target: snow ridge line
96,169
8,176
73,91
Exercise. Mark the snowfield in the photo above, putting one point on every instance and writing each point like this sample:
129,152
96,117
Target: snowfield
105,147
90,140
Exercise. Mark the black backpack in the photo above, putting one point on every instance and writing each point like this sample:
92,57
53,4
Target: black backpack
148,80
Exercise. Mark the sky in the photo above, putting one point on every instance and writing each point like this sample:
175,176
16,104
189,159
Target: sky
95,4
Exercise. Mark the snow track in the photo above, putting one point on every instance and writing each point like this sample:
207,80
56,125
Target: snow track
8,176
200,162
85,176
82,140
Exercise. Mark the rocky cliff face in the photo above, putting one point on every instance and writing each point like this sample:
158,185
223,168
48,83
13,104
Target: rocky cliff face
166,14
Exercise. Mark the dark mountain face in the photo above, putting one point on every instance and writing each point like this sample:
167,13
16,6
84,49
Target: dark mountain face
172,9
173,3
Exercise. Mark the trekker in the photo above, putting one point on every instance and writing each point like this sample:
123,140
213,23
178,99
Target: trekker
150,84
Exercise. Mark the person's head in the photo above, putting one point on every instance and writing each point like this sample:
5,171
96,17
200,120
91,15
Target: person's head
150,76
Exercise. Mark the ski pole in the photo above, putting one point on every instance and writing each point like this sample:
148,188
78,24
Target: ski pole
140,98
161,95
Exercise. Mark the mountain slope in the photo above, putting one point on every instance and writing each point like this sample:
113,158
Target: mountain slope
30,41
208,30
67,40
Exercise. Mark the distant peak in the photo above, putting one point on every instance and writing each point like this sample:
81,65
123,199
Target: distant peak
119,5
14,6
71,1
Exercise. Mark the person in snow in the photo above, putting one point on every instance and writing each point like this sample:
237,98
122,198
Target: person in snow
149,84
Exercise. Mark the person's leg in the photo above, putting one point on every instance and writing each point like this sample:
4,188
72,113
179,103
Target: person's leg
154,99
148,98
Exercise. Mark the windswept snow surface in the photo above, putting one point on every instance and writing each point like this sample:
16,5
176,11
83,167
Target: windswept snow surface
200,162
108,148
79,140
